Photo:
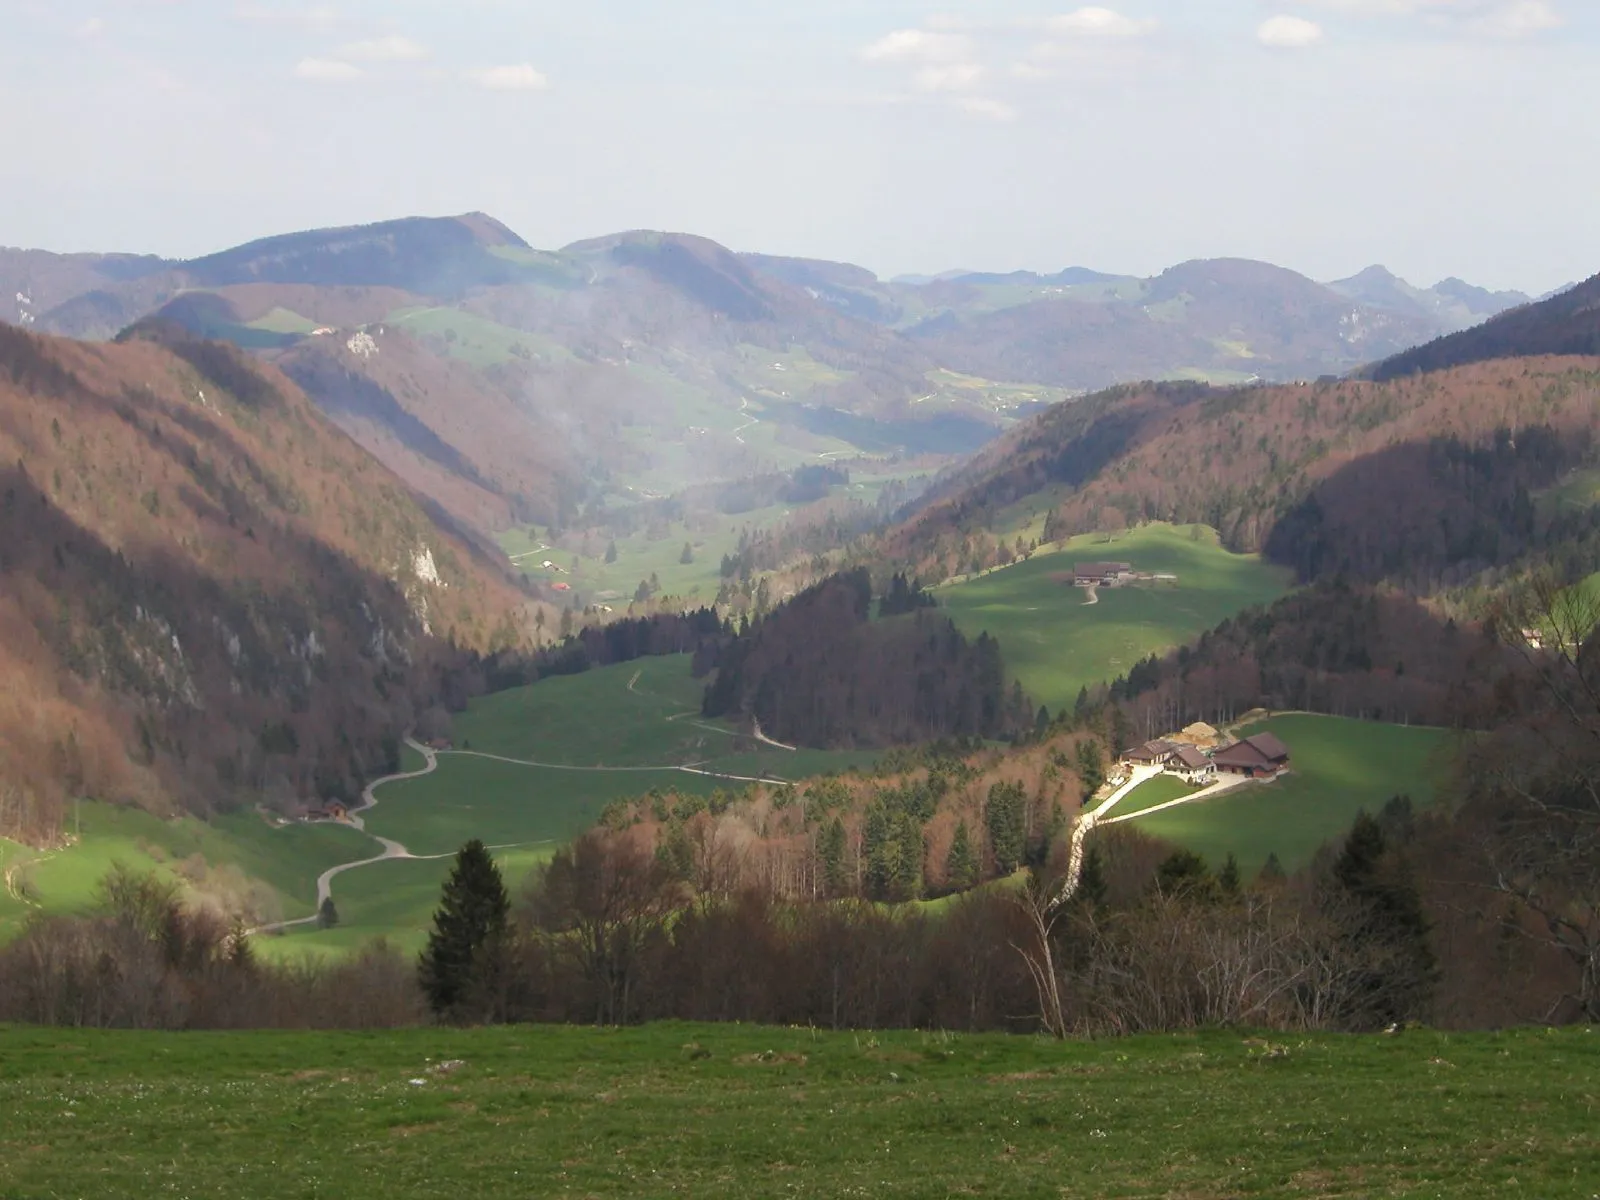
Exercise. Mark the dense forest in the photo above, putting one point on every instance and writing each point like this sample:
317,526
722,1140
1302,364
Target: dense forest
819,671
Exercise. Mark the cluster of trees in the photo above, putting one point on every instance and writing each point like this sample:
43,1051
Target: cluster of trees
605,645
1346,651
820,672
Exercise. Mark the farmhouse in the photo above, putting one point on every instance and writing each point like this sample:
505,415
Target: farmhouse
1151,754
1261,756
1100,574
1192,764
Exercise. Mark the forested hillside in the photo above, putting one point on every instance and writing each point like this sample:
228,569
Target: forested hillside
820,672
212,596
1424,480
1566,323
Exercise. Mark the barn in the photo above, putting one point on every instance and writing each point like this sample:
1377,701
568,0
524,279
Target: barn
1260,756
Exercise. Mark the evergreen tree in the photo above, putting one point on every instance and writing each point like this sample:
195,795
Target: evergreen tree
327,914
1184,873
1092,888
1272,872
461,961
1090,769
830,849
611,552
1228,878
961,867
1386,916
1007,833
687,556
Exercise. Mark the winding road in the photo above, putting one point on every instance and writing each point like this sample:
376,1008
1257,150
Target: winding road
391,848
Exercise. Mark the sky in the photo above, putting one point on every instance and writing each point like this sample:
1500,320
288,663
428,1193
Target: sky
1438,137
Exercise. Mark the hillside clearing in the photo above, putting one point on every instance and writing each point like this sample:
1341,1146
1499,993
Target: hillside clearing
739,1111
1340,767
1055,644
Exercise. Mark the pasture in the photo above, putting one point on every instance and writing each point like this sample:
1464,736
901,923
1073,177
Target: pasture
742,1111
1340,767
1055,643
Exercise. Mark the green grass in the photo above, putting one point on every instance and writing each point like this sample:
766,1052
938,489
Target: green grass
502,804
1340,767
1056,644
273,868
476,340
731,1111
1152,792
283,320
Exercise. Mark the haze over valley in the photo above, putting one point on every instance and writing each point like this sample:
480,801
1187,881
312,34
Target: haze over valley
549,622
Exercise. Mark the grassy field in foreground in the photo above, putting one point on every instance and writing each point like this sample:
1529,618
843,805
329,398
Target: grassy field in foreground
1056,644
1340,767
732,1111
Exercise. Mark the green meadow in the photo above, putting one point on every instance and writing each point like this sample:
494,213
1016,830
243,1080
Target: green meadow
606,735
1056,644
1340,768
746,1111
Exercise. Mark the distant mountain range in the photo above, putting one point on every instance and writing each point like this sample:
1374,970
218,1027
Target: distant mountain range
511,384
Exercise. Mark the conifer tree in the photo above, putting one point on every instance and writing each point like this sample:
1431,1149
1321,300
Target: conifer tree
461,960
961,867
611,552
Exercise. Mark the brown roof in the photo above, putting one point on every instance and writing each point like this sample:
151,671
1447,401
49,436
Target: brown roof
1240,754
1192,758
1152,750
1258,750
1102,569
1269,745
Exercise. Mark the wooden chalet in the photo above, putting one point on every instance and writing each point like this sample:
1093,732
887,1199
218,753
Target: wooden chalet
1260,756
1151,754
1106,574
1192,764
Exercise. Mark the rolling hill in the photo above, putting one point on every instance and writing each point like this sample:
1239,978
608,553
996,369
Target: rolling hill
212,595
510,385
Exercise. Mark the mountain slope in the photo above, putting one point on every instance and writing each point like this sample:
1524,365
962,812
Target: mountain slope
1566,323
1423,481
1220,319
210,593
1452,304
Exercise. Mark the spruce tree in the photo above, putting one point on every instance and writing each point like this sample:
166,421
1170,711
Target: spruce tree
611,552
1092,886
961,867
327,914
461,958
1228,878
687,556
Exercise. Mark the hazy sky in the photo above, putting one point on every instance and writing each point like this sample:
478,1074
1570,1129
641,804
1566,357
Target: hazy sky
1439,137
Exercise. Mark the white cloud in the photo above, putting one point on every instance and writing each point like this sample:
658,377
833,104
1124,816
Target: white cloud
92,28
317,18
327,70
1095,21
392,48
984,106
1289,33
918,45
1496,18
948,77
1521,18
518,77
